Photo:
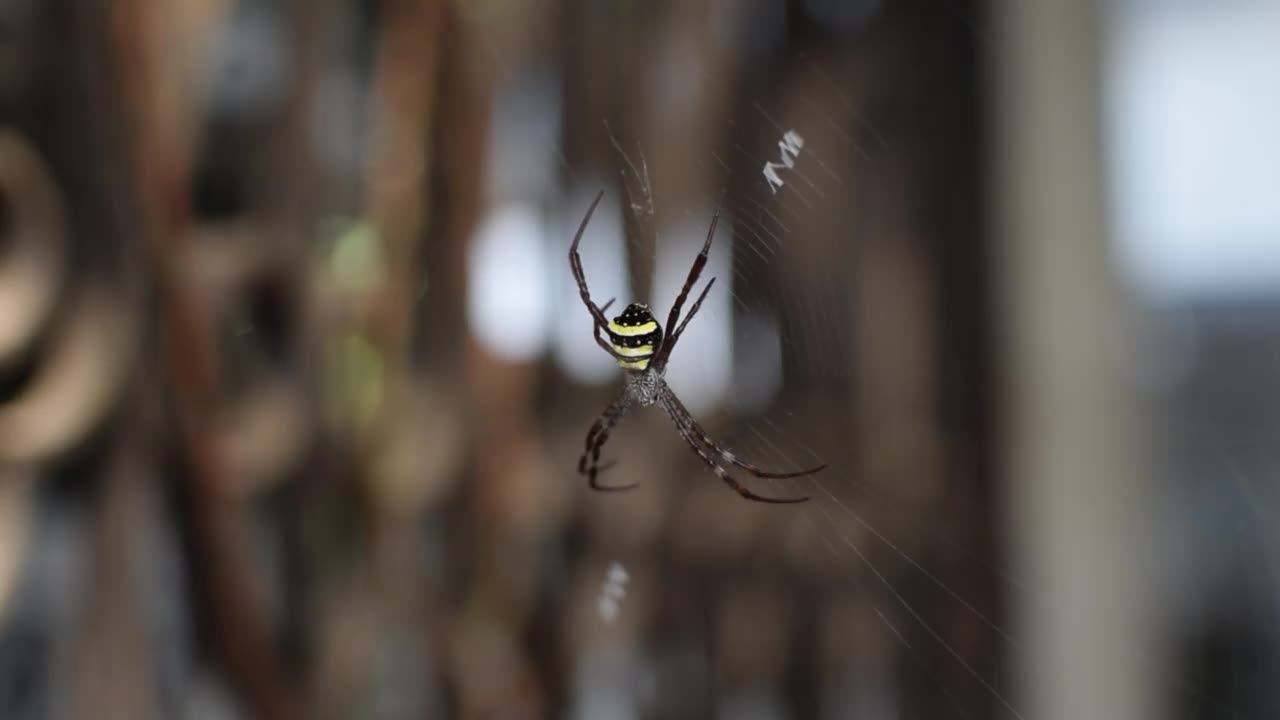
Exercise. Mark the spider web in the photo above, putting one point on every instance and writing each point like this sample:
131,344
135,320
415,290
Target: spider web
887,536
771,190
794,182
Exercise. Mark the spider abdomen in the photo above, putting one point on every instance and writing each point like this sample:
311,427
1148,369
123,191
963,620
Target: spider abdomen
635,336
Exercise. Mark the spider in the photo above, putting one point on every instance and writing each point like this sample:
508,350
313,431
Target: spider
636,341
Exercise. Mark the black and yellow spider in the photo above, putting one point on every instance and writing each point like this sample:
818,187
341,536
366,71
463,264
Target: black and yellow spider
637,343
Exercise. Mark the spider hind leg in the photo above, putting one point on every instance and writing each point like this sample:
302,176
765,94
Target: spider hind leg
597,436
732,458
754,469
700,444
747,494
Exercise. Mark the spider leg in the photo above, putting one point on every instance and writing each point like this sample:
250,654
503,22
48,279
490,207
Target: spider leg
604,345
597,436
694,272
665,348
697,305
682,420
729,457
575,264
598,319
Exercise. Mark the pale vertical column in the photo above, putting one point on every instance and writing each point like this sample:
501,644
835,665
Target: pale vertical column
1078,496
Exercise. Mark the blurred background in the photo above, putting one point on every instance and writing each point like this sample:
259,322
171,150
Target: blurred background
294,377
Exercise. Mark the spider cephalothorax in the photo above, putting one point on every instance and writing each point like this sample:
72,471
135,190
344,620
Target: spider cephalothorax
637,343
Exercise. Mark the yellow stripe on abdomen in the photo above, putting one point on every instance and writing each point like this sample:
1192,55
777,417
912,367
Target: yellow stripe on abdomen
632,330
633,352
633,335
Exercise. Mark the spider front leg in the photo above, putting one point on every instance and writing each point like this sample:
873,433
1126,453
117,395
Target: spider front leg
695,272
664,352
604,344
596,438
575,265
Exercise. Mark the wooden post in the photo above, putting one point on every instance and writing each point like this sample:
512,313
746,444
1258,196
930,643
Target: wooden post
1078,493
